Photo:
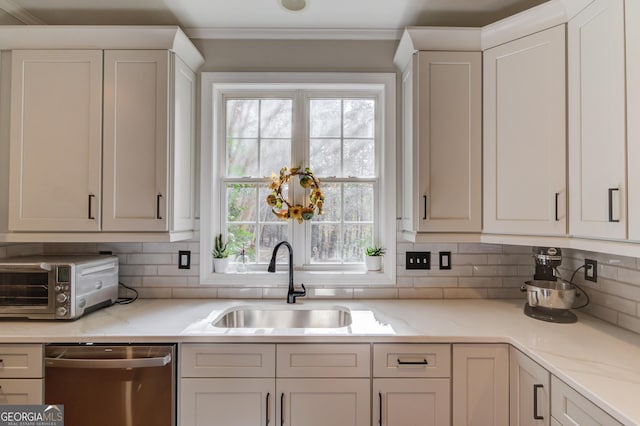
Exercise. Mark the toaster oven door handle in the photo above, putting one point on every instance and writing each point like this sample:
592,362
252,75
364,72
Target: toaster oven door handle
159,361
28,267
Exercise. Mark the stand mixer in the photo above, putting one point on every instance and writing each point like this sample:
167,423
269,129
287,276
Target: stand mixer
549,297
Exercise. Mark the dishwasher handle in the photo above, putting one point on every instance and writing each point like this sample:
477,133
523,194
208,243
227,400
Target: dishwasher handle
56,362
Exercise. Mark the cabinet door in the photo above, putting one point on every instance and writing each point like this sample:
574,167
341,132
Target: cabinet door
411,402
632,17
529,391
525,135
481,384
56,135
321,402
247,402
597,166
569,408
136,131
21,391
183,144
444,142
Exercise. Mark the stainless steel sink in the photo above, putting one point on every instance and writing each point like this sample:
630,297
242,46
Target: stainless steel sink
252,317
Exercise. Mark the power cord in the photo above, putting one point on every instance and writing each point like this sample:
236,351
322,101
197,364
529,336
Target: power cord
579,288
127,300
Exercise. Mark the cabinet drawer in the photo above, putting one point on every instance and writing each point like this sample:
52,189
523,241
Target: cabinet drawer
21,392
322,360
227,360
20,361
411,360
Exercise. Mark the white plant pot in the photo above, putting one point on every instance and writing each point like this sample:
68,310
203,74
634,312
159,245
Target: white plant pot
221,266
373,263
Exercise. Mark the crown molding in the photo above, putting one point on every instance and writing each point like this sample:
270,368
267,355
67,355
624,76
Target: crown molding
293,34
19,13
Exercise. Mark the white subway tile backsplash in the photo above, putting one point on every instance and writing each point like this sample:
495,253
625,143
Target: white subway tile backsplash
478,271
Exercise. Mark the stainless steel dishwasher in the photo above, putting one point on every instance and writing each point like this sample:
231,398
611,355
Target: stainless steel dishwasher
107,385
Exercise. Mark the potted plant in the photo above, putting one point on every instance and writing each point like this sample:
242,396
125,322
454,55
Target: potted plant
373,258
220,255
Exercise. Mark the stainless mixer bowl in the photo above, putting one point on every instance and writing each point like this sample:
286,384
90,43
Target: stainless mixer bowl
557,294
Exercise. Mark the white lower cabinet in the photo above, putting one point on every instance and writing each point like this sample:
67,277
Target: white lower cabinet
21,374
529,393
233,401
236,384
411,385
480,384
352,384
569,408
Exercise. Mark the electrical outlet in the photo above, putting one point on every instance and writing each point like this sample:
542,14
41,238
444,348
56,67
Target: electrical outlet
591,270
445,260
418,260
184,259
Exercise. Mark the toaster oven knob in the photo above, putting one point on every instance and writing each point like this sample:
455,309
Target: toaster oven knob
61,298
61,311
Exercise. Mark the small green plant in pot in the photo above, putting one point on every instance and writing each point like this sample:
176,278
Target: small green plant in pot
373,258
220,255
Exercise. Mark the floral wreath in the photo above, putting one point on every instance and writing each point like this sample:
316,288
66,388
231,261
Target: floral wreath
284,209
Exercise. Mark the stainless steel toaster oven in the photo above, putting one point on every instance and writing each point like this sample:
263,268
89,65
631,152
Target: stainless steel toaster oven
57,287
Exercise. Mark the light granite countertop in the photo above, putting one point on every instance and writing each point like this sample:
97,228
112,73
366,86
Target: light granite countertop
600,361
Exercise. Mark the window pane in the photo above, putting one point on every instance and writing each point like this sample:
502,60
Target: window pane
270,235
359,207
332,203
275,118
325,118
359,118
325,157
242,157
325,243
274,154
242,118
359,158
241,201
239,234
356,238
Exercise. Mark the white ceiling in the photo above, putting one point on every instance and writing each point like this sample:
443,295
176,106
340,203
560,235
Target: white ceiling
379,15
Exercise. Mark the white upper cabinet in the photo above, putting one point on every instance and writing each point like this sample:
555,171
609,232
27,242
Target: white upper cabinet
442,136
149,142
597,135
136,140
525,135
102,139
632,17
56,140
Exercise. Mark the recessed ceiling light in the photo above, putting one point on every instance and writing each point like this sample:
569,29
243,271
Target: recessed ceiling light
293,5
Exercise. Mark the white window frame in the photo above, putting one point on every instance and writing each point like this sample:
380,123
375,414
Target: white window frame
213,85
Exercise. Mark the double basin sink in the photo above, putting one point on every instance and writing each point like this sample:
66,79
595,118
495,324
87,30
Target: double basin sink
284,317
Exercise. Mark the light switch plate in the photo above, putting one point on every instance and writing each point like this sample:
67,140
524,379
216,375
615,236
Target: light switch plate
184,259
445,260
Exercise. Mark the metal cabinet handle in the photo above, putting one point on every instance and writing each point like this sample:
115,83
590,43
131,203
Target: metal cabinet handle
556,206
282,409
423,362
535,402
380,408
267,411
424,199
158,198
611,190
89,213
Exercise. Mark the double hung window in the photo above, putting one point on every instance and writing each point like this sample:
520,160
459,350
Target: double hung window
336,130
